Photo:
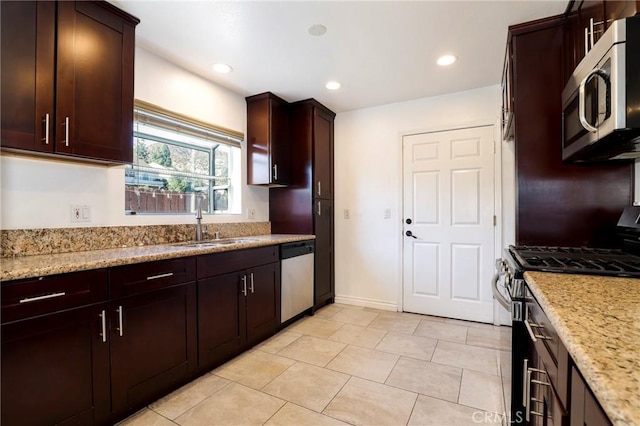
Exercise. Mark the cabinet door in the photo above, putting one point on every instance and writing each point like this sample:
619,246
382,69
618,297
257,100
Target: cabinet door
153,347
27,60
55,369
322,154
324,262
585,410
263,302
94,104
268,148
280,145
221,318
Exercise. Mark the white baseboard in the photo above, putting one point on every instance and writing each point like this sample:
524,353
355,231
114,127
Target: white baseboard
367,303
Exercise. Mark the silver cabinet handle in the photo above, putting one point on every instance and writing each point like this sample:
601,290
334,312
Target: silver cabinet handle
319,188
46,129
66,131
319,208
46,296
586,40
244,285
120,328
525,368
534,336
591,38
527,405
155,277
103,319
251,285
275,172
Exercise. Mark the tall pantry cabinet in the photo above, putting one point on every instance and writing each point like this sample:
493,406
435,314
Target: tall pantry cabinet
306,206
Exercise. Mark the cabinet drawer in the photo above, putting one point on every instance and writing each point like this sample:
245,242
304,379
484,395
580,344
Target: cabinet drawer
142,277
37,296
236,260
549,347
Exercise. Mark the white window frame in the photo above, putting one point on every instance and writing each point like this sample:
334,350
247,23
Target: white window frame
214,136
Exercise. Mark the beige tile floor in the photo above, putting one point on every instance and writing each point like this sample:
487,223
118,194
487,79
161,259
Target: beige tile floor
353,365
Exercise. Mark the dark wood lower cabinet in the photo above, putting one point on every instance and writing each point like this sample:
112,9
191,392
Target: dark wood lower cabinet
263,302
585,410
55,369
73,354
221,327
153,345
236,310
324,258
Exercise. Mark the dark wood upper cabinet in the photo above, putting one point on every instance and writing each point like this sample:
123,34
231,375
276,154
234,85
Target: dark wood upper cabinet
27,53
323,152
507,95
268,145
67,79
556,203
585,22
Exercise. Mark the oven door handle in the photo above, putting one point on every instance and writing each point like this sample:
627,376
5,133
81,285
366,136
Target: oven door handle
497,295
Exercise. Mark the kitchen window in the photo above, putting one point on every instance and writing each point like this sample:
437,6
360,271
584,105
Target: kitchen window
180,163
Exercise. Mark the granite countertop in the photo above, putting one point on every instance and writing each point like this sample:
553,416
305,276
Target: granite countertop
49,264
598,320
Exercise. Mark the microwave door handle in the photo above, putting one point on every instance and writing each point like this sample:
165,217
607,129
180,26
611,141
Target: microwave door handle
582,98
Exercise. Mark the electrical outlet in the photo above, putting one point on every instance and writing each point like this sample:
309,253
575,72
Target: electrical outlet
387,213
347,214
251,213
80,213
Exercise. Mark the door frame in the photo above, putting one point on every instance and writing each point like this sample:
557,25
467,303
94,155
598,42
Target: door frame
497,194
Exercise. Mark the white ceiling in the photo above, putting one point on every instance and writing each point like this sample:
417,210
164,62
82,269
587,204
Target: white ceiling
382,52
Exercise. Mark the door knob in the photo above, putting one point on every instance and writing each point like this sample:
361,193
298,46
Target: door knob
408,221
410,234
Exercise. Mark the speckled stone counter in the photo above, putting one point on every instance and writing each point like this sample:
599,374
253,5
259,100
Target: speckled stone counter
31,242
50,264
598,319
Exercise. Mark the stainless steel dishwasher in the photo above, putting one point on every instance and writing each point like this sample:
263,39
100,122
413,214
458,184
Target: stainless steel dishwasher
296,278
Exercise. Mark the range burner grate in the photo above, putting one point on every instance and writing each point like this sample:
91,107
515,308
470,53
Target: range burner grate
583,260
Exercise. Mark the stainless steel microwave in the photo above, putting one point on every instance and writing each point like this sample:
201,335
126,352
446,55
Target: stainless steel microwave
601,101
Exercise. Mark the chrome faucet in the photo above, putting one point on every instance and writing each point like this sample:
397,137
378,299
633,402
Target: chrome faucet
199,221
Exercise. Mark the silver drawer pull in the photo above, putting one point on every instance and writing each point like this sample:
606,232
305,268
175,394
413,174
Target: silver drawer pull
46,296
538,382
155,277
535,413
534,337
251,280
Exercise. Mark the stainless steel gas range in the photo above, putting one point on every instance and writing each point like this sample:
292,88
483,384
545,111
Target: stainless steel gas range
509,287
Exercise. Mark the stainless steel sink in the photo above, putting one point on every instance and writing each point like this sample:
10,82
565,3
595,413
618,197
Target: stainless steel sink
216,243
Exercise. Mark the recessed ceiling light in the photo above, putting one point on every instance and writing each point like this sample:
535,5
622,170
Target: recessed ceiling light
445,60
333,85
222,68
317,30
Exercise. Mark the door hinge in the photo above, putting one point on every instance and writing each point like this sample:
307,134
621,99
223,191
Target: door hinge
495,220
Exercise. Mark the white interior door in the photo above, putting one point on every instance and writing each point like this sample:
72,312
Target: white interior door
448,191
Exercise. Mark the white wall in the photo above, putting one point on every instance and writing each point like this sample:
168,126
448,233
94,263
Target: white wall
38,193
368,176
